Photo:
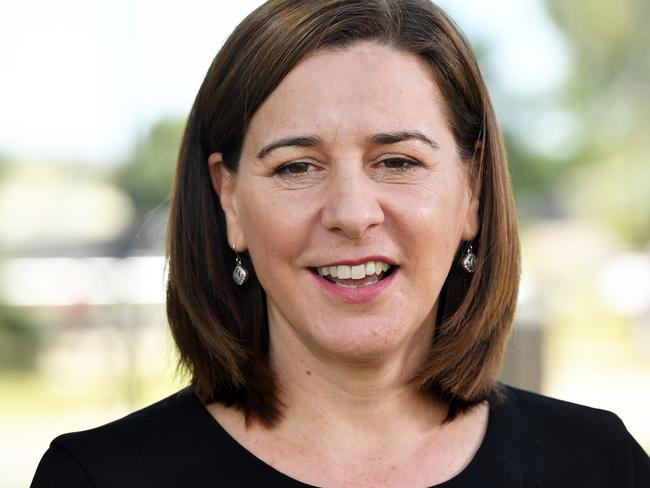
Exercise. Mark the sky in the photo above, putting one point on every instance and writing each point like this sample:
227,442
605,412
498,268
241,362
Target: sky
82,79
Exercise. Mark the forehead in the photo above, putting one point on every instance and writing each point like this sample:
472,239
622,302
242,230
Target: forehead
344,95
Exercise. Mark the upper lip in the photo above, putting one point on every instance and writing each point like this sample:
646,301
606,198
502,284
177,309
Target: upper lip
357,261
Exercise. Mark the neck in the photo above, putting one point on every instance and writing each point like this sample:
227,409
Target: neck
362,401
360,421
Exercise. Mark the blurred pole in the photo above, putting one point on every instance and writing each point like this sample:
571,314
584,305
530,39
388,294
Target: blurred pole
522,366
126,322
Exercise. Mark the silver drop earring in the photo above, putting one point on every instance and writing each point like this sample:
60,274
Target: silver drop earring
239,274
469,260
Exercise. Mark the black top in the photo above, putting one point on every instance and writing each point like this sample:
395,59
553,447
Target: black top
531,441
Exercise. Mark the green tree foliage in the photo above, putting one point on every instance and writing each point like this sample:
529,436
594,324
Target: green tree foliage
19,340
3,166
609,91
147,176
532,174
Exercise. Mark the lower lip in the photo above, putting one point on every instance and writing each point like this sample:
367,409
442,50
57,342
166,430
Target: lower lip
356,295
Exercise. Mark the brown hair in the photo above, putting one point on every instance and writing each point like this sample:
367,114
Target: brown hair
221,329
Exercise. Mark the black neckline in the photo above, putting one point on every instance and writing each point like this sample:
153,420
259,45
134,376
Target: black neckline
212,425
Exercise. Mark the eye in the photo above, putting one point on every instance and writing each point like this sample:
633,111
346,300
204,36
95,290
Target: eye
398,163
294,168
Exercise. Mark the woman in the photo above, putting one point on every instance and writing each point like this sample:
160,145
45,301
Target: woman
344,266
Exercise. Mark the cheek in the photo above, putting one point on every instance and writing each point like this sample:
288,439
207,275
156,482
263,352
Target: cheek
430,222
272,228
436,209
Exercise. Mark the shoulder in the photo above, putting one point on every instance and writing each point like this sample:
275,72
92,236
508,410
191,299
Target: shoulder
547,412
157,441
560,423
169,417
555,440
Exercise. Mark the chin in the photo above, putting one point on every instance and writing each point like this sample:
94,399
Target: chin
359,338
361,343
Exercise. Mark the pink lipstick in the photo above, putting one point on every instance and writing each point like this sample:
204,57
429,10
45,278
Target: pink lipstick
360,294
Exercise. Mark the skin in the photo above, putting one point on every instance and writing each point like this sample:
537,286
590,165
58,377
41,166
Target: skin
352,419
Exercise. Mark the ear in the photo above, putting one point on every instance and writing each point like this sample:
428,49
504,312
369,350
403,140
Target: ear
472,224
224,184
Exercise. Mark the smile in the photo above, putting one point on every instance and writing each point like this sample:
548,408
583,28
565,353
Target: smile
356,282
357,276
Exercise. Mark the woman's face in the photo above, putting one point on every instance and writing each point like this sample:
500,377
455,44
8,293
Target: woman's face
350,161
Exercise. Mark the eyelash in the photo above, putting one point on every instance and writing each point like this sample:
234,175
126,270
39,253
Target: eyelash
409,163
285,169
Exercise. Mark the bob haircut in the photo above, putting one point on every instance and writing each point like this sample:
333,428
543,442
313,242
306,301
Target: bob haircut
221,329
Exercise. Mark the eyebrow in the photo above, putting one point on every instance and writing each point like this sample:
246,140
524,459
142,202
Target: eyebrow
395,137
379,139
301,141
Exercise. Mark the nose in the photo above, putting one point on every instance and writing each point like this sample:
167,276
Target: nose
352,204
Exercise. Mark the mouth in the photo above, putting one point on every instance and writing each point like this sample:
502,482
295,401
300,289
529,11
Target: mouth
357,276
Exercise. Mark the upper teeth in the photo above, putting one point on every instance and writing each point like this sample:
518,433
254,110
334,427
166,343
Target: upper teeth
357,272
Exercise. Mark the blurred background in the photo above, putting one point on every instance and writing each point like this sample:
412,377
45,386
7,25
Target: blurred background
93,98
